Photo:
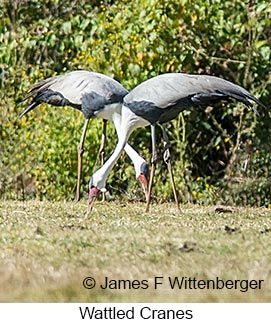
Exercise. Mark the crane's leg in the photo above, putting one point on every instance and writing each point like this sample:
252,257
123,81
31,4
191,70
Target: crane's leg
80,159
167,160
153,164
101,150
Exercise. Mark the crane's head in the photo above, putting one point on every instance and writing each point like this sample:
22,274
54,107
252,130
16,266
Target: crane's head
143,178
98,180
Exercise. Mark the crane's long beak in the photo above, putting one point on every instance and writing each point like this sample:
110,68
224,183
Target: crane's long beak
144,184
93,194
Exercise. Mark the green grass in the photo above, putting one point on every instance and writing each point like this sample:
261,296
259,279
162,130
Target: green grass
47,249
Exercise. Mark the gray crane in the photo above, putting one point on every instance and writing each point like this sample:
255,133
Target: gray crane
95,95
159,100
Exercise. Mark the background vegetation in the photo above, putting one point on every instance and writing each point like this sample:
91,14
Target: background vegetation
132,41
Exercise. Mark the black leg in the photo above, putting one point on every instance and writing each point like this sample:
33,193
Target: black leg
101,150
153,164
80,159
167,160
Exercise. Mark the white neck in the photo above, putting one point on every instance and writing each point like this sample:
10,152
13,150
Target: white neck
129,122
133,155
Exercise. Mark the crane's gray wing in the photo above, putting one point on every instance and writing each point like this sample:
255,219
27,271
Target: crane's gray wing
83,90
162,98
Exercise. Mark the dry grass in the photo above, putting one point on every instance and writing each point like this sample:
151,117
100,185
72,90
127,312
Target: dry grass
48,248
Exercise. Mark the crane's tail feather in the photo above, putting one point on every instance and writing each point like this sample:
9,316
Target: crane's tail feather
243,97
238,93
36,93
253,98
231,91
31,106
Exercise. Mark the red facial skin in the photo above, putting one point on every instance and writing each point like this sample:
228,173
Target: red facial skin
144,183
93,194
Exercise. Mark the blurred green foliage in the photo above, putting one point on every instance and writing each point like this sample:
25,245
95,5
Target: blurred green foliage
132,41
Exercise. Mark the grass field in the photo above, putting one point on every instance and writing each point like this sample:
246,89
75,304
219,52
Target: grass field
48,248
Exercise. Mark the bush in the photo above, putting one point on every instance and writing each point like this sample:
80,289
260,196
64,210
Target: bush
133,41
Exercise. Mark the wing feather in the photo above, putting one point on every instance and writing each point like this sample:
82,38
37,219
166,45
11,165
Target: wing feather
178,91
73,88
